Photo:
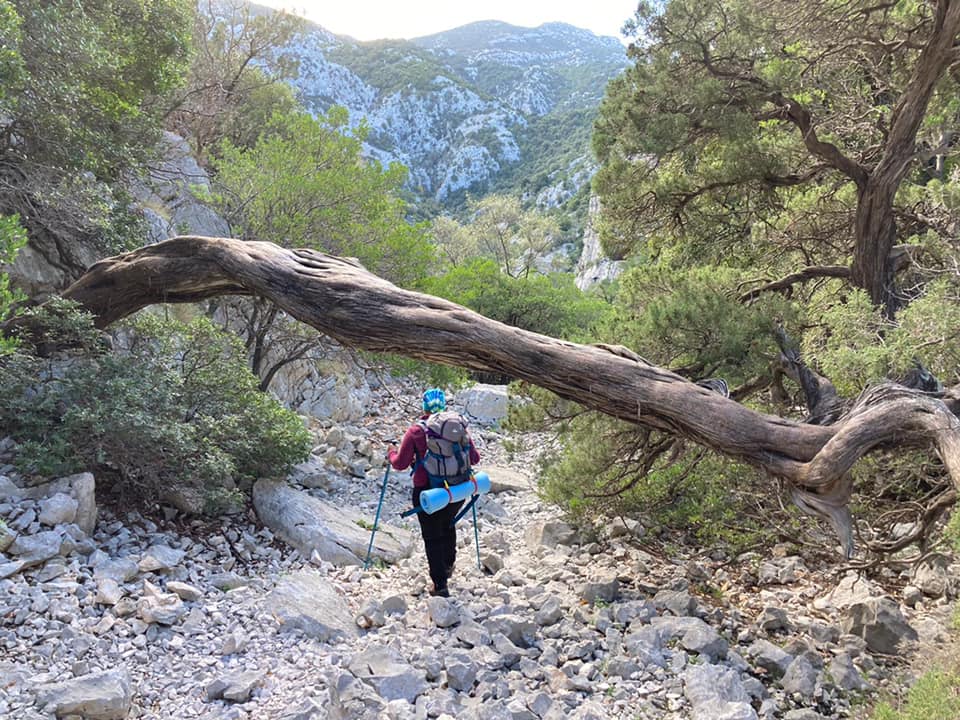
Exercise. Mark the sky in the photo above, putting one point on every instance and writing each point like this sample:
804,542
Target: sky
378,19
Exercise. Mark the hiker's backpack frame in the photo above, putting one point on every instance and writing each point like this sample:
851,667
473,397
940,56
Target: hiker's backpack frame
447,460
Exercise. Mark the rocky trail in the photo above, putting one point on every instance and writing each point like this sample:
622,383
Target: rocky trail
269,614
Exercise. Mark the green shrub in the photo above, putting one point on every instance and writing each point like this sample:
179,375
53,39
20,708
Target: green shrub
691,320
12,239
610,468
174,406
551,305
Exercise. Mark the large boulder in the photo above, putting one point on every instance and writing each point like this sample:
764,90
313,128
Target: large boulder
341,396
306,601
484,404
80,488
716,693
337,534
97,696
504,479
880,623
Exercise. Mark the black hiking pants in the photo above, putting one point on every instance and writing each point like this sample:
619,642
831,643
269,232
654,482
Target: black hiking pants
439,539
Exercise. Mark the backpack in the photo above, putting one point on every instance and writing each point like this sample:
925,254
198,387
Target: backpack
447,461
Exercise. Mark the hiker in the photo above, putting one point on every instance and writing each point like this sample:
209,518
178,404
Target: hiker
438,530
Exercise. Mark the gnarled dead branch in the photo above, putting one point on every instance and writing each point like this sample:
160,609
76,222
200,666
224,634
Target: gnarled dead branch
338,297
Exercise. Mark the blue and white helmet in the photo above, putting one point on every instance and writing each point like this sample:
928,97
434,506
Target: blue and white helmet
434,400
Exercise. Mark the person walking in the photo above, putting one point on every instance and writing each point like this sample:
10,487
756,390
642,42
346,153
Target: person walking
438,529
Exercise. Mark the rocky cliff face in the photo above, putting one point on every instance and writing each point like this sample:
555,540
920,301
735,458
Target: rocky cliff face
594,266
468,108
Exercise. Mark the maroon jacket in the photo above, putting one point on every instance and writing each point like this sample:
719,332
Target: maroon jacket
413,446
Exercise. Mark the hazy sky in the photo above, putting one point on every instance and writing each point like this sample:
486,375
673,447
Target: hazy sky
377,19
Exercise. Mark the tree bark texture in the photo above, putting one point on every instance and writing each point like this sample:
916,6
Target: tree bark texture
876,232
341,299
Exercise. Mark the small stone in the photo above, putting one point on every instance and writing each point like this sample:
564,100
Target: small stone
159,558
394,605
184,591
443,612
800,678
461,671
109,592
605,591
235,642
772,619
549,613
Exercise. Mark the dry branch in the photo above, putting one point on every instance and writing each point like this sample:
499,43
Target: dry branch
340,298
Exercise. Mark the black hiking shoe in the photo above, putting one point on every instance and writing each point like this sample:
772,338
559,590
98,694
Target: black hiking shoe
439,592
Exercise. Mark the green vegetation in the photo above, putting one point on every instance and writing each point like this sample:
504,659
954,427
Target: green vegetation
550,305
935,696
717,142
746,145
304,184
174,408
553,149
712,189
237,79
12,240
81,105
389,65
609,468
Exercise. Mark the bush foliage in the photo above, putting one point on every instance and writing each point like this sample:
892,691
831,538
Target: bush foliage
608,468
174,405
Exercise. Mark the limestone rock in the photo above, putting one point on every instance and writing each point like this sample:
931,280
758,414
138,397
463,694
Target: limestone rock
36,549
160,608
58,509
443,612
716,693
484,404
9,490
770,657
81,488
185,591
122,570
605,591
800,678
7,536
851,589
338,534
504,479
461,671
160,558
550,534
109,591
97,696
306,601
932,576
880,623
845,675
235,687
393,678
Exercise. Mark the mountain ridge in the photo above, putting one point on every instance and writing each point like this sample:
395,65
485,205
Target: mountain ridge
456,107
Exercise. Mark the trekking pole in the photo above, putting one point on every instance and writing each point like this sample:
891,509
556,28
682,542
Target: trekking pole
383,491
476,537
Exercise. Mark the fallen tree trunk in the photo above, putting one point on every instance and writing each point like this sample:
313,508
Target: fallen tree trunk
340,298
